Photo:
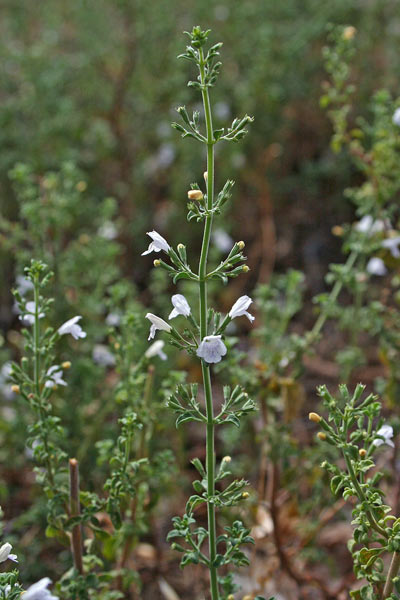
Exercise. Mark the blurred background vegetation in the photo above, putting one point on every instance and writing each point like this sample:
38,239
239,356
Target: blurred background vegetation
89,162
96,83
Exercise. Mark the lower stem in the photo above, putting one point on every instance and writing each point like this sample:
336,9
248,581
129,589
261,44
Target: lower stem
393,570
210,467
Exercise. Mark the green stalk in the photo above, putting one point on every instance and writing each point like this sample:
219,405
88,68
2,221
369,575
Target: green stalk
337,288
210,450
36,353
372,521
393,570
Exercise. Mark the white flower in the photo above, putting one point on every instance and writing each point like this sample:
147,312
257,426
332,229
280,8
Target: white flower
29,316
376,266
392,244
158,243
222,240
368,225
108,230
386,432
5,377
181,306
396,117
211,349
240,307
156,349
39,591
102,356
54,375
73,328
157,323
5,550
23,285
113,319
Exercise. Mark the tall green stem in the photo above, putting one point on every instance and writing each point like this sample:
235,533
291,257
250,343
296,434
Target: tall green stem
210,451
42,411
320,322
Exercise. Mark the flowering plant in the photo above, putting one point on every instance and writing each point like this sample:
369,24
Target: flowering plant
204,339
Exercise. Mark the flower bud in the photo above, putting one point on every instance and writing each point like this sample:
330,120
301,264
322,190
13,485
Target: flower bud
314,417
245,269
231,597
157,262
16,389
117,345
180,247
349,32
241,245
321,436
205,175
81,186
362,452
245,495
66,364
338,230
195,195
226,459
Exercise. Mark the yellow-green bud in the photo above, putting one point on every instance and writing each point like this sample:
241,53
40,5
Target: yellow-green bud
362,452
321,436
231,597
245,269
16,389
180,246
81,186
241,245
66,364
245,495
157,262
349,32
195,195
338,230
314,417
